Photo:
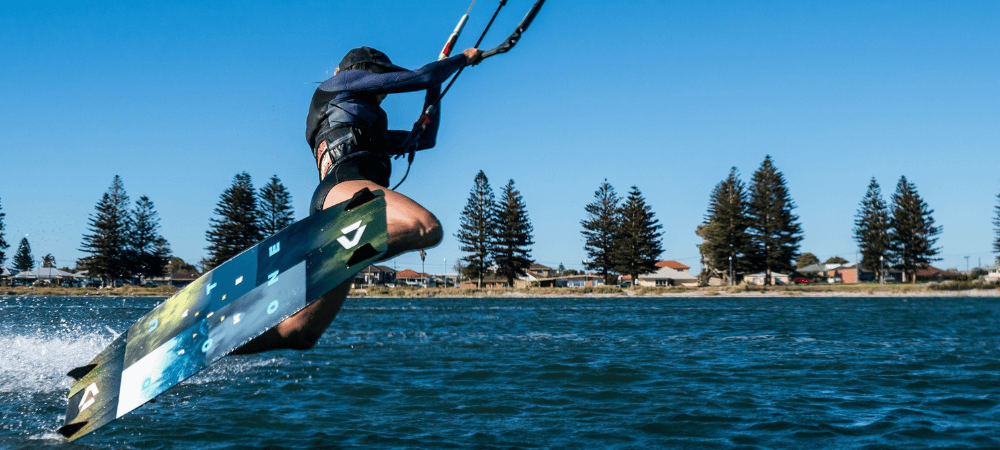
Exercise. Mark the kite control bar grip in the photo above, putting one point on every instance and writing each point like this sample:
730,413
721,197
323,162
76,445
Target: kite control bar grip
516,35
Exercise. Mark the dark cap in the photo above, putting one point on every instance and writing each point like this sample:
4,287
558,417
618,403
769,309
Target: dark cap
368,55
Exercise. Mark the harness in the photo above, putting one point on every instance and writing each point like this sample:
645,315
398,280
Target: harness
343,143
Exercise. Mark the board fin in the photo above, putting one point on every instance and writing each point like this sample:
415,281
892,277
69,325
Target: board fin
365,252
71,429
360,198
81,371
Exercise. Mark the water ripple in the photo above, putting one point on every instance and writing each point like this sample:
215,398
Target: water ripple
546,373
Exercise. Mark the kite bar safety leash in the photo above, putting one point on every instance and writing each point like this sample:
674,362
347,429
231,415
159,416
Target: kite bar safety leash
409,145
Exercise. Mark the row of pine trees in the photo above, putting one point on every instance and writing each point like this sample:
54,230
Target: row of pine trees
745,230
496,233
125,243
23,258
900,235
622,235
748,230
245,217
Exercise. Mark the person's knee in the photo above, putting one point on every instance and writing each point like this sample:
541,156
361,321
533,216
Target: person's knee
433,231
430,230
419,230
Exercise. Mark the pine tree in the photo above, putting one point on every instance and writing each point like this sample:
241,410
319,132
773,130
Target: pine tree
512,235
475,229
724,230
873,232
3,244
913,230
108,241
637,243
23,259
599,231
275,207
237,227
149,252
996,223
774,231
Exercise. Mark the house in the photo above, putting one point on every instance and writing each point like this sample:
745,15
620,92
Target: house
444,280
410,277
492,281
932,273
668,276
375,276
581,280
850,273
814,272
664,276
994,274
47,274
843,273
758,278
540,271
674,265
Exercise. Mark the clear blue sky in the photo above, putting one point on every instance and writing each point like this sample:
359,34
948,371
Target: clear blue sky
177,97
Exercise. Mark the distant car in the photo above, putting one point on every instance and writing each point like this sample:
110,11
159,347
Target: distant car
625,284
801,281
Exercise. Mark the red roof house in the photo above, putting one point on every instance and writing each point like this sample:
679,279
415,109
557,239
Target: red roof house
409,274
674,265
933,273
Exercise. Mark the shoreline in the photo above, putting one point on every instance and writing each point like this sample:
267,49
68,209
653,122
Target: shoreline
919,290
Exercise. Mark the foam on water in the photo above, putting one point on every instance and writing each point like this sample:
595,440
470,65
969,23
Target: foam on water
39,362
33,381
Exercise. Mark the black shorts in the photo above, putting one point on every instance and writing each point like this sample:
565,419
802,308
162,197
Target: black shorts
362,167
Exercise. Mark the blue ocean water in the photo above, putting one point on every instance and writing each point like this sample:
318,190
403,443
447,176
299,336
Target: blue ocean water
527,373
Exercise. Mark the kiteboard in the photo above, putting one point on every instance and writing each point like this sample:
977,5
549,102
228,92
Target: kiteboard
226,308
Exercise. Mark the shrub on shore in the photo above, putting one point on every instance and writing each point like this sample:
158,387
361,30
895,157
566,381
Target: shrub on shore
59,291
962,286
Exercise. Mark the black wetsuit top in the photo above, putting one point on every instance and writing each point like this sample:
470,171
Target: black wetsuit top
346,118
348,101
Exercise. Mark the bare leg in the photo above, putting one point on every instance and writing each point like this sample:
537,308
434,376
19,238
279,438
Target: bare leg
410,227
302,329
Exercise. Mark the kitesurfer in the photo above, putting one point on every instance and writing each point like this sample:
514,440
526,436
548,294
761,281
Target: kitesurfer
351,144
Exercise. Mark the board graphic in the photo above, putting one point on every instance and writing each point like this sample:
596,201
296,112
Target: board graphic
226,308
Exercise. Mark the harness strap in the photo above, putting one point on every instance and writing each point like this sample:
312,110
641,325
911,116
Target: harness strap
341,144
